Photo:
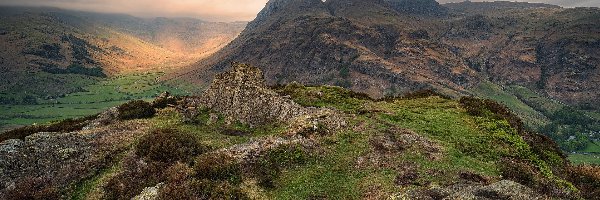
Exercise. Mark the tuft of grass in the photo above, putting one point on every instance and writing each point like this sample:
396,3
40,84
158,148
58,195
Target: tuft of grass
324,96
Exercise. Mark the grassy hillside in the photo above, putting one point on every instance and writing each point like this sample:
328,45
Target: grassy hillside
576,131
410,147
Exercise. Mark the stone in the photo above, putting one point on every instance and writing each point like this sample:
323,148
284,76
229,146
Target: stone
149,193
241,94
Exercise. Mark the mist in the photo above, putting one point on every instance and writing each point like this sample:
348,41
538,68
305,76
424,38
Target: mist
221,10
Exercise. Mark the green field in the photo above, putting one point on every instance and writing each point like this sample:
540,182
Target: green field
590,155
97,97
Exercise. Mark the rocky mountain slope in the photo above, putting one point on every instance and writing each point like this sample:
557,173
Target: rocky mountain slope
49,52
243,140
538,59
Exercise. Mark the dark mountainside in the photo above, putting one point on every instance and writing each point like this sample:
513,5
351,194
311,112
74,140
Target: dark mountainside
538,59
243,140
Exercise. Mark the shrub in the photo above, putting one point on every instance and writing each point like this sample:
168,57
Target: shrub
169,145
67,125
33,188
217,166
136,109
587,179
201,189
268,167
518,171
486,107
134,177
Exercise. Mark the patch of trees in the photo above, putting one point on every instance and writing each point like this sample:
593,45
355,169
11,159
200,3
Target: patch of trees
80,48
48,51
572,129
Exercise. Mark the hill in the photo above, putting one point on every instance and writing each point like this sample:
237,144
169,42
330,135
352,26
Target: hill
48,52
243,140
537,59
57,64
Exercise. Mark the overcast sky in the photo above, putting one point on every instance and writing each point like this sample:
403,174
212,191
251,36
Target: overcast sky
213,10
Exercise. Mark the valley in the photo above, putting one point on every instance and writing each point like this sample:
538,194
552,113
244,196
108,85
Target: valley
96,98
59,64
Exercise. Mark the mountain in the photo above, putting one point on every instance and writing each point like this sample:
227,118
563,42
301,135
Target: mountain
47,53
241,139
538,59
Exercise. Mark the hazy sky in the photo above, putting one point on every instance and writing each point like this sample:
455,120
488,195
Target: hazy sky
214,10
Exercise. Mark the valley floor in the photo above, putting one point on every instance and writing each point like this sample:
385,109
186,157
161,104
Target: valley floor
97,98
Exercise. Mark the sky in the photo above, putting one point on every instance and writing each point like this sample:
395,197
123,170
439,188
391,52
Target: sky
212,10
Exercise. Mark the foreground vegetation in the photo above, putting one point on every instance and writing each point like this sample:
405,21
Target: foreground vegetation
388,148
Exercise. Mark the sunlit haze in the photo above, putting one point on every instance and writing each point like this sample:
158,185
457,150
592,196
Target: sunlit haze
221,10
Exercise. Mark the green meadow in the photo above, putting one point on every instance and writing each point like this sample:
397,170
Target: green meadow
96,98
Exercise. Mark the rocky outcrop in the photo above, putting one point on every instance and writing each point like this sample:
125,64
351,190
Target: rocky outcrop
242,95
504,189
45,163
107,117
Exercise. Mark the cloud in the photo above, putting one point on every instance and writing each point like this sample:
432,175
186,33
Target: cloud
215,10
219,10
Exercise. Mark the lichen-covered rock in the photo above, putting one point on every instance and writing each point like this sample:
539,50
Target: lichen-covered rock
249,151
504,189
105,118
48,163
149,193
241,94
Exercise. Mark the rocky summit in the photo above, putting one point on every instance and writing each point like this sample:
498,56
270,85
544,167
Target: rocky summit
242,94
241,139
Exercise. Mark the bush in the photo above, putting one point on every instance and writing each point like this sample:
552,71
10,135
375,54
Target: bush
486,107
182,184
218,167
201,189
134,176
33,188
169,145
518,171
136,109
587,179
269,166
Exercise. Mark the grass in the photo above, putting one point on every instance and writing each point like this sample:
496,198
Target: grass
579,159
97,98
212,135
83,189
531,117
592,148
332,176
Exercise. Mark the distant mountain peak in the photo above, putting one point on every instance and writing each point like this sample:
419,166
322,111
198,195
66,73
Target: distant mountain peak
290,8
